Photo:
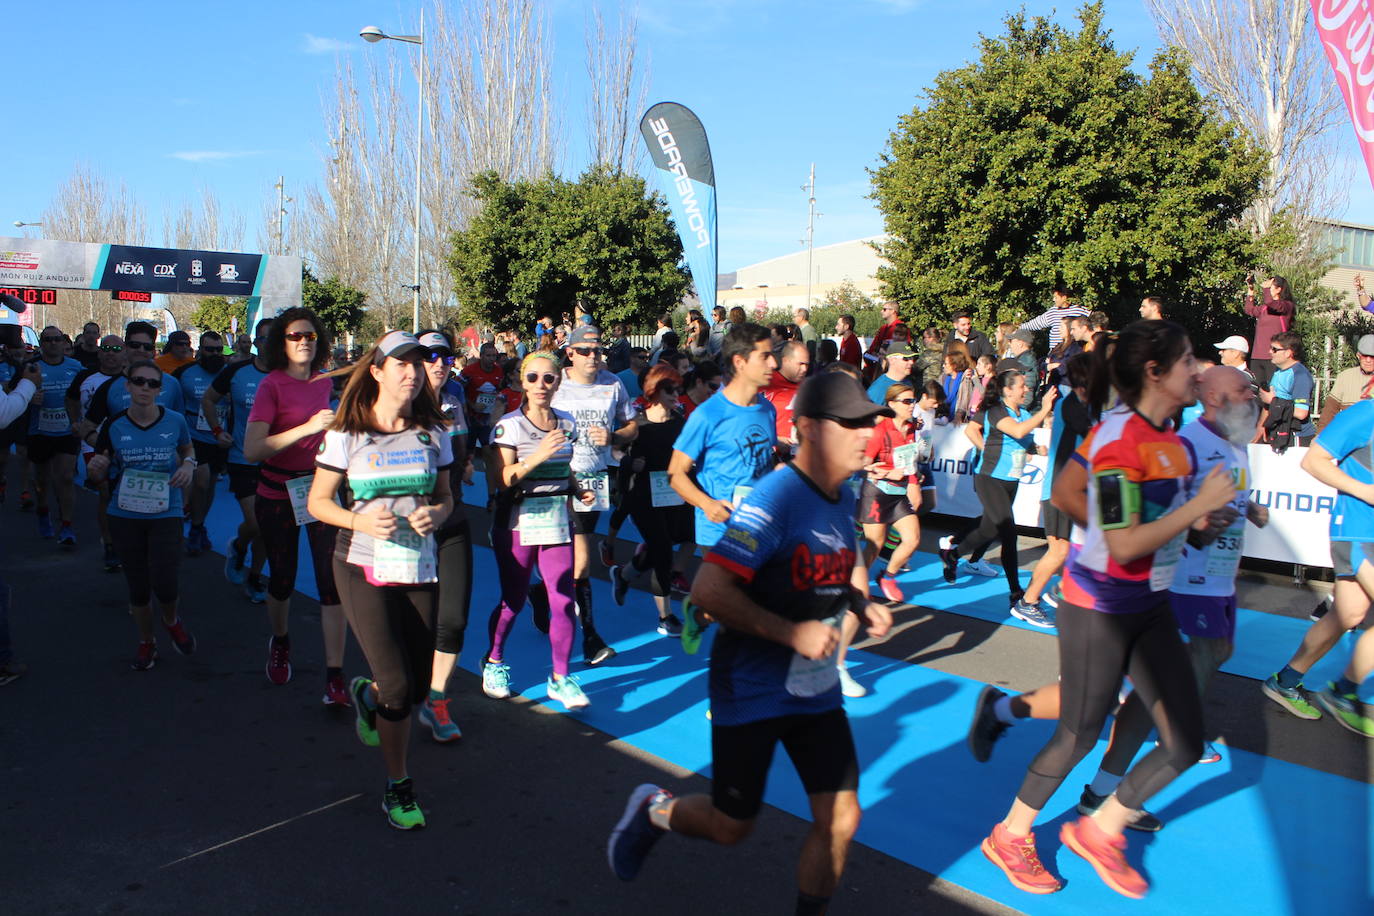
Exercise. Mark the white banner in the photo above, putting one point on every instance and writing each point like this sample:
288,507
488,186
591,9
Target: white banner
1299,506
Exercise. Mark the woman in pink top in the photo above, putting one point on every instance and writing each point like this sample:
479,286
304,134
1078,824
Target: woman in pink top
1273,315
285,429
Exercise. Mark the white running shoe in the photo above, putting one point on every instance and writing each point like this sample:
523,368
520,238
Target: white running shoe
850,687
980,568
947,542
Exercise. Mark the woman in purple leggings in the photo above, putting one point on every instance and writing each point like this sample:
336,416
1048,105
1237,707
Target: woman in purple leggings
533,447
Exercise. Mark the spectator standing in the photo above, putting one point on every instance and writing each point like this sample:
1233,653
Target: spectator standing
1289,396
878,346
976,341
930,358
802,318
849,343
720,326
1353,384
1273,314
1060,308
794,363
630,375
618,352
1152,308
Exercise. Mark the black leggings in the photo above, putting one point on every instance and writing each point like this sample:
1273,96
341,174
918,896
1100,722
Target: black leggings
1095,650
150,551
455,584
996,523
277,523
394,625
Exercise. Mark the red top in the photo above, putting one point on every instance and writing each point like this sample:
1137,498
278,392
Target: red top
1273,317
884,334
483,389
283,403
886,438
780,393
850,352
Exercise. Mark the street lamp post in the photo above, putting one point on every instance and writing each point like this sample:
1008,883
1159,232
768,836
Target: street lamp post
20,224
373,34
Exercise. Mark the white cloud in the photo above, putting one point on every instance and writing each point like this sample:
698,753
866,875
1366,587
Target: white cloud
314,44
211,155
899,6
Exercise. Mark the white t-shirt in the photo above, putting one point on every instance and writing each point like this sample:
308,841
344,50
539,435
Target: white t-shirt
604,403
1211,570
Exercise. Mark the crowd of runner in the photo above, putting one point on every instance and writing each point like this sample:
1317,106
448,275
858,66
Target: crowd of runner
796,466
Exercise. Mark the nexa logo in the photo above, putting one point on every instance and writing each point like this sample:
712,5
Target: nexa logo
1293,502
164,270
688,195
129,267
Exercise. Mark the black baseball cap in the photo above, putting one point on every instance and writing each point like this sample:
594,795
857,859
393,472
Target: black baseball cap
835,396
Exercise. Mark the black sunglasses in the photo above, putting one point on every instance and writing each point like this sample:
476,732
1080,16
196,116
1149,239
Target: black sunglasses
587,351
904,401
143,381
434,356
135,345
548,377
212,349
863,423
106,348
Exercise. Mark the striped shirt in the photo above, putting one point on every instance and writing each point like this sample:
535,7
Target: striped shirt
1051,319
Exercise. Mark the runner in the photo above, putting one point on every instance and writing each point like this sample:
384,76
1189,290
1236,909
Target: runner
891,494
729,441
145,453
52,438
1114,619
13,404
239,383
110,360
533,449
482,381
285,427
454,549
1342,457
195,379
387,454
780,579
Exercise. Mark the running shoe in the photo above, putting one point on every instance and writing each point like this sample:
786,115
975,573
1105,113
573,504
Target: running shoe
45,525
25,501
670,626
1347,709
1054,597
335,693
888,586
946,542
146,657
255,589
234,559
12,671
850,687
1017,858
402,810
496,680
184,641
950,561
692,628
278,661
434,713
619,586
66,537
1320,610
607,553
1290,699
986,728
539,606
192,543
635,834
595,651
364,717
1144,821
680,584
1210,754
111,558
980,568
203,534
1106,854
567,691
1032,614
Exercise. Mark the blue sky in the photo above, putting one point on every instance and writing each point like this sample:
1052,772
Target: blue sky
169,97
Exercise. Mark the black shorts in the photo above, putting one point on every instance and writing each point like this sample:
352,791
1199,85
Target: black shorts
584,522
17,433
243,480
1057,524
215,457
879,508
820,746
43,448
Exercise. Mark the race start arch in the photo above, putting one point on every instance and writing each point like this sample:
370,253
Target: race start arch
271,283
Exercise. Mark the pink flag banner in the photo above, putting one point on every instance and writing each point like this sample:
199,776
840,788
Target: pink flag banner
1346,30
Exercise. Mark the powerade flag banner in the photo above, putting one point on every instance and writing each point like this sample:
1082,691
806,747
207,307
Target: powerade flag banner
678,147
1346,30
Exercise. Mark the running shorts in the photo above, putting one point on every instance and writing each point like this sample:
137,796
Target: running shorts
1346,556
879,508
243,480
584,522
1205,616
1057,524
216,457
42,448
820,746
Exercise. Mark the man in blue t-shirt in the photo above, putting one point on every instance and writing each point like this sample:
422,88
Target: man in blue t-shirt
1342,457
782,580
1291,390
53,445
195,379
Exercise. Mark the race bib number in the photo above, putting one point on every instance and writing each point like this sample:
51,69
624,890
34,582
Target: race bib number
599,483
486,400
543,521
904,458
738,495
144,492
298,491
661,492
810,677
406,559
1166,561
53,420
1223,558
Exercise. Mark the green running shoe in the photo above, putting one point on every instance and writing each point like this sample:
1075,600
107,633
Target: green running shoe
366,719
1290,698
1347,709
692,628
402,810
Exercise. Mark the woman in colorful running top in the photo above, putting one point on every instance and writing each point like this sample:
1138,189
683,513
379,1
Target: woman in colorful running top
145,453
455,541
1116,619
285,427
387,454
530,525
891,493
1007,442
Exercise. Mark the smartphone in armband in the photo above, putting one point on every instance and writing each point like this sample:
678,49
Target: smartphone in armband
1117,499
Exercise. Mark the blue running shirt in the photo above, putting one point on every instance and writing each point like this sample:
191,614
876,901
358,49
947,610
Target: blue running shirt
195,381
731,446
1004,457
48,411
238,384
1349,438
113,397
154,449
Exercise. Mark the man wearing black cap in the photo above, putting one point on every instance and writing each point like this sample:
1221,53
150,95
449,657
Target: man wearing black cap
899,360
781,580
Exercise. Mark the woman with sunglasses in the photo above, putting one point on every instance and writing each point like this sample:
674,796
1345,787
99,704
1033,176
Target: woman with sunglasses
698,385
145,454
891,494
387,454
664,520
285,427
531,526
454,550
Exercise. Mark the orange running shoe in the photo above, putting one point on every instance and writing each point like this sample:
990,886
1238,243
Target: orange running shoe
1017,858
1106,854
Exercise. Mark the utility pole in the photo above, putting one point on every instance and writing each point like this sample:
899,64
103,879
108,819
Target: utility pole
282,201
810,189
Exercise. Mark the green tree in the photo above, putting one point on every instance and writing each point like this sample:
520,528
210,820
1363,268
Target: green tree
340,307
1048,160
217,313
539,245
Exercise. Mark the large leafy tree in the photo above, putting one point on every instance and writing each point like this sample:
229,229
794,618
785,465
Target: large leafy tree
1048,160
539,245
340,306
217,313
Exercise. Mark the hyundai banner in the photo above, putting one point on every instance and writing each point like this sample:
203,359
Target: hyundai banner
678,147
1346,31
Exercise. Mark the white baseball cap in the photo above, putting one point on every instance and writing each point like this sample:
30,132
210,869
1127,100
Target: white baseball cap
1366,345
1234,342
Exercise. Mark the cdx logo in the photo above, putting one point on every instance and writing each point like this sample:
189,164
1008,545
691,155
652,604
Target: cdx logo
164,270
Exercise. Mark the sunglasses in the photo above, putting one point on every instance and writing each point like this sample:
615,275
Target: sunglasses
671,389
587,351
904,401
434,356
143,381
298,336
548,378
1273,349
135,345
212,349
864,423
110,349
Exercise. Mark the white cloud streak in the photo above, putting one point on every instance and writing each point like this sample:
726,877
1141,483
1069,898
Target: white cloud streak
314,44
211,155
